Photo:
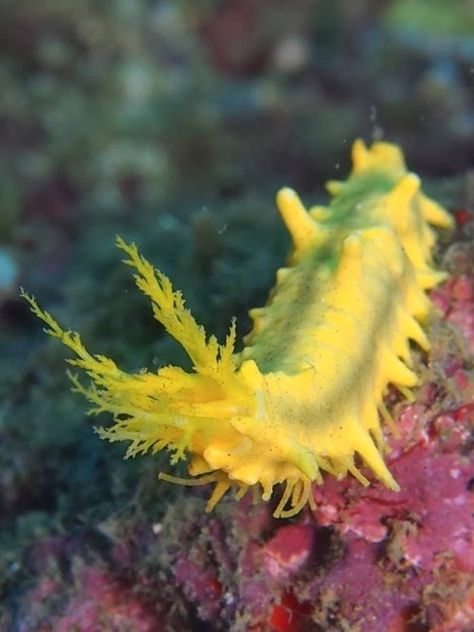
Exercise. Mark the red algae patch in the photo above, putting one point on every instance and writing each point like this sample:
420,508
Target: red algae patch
288,551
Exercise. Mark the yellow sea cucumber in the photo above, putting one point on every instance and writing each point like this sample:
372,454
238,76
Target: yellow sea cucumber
306,393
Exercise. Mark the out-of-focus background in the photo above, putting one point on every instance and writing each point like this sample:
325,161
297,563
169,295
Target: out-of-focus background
136,115
173,123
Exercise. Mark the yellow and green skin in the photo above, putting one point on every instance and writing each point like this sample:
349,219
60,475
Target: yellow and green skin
305,395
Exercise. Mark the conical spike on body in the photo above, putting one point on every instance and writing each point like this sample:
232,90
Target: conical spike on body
404,192
434,213
334,187
300,225
360,156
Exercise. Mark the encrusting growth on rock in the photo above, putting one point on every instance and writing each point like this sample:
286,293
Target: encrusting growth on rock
305,395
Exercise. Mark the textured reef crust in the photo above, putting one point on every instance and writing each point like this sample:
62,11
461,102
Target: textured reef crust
305,396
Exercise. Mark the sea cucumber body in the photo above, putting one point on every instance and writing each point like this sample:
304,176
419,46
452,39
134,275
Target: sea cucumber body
305,395
349,327
336,329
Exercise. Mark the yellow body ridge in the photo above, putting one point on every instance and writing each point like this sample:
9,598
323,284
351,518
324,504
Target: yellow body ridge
306,393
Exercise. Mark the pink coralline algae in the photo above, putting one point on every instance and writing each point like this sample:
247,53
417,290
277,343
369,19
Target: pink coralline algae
441,491
288,551
455,299
397,546
105,603
200,585
90,598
